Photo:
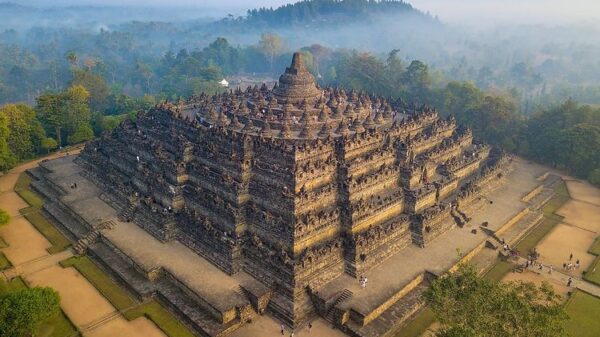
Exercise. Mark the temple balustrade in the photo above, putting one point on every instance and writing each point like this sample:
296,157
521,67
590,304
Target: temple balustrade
372,246
420,198
363,209
445,186
431,223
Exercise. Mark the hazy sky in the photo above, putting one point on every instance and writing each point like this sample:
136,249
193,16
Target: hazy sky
453,11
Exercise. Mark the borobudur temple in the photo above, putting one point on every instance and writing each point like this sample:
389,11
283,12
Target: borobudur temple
299,187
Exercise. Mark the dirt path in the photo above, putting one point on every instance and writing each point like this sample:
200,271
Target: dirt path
80,301
575,235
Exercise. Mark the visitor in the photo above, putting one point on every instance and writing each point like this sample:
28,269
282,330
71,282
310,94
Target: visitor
309,327
282,329
541,267
569,282
292,334
550,269
571,257
577,264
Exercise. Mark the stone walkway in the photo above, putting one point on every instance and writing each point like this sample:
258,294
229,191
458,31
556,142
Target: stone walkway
36,265
562,277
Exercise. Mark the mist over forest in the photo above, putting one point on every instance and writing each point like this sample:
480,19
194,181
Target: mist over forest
496,78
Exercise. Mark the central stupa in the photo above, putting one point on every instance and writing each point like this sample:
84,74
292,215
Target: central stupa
297,83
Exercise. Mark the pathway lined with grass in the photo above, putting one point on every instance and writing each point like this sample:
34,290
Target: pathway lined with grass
35,248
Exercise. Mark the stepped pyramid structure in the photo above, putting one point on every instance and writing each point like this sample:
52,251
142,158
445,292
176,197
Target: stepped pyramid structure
299,187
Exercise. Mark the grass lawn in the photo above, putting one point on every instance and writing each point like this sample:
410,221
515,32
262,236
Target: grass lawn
57,239
124,302
4,263
3,243
417,326
165,321
22,187
58,326
498,271
116,295
14,284
583,310
560,197
595,247
592,274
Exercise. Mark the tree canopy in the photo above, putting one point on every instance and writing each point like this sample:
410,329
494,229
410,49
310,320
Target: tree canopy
468,305
22,311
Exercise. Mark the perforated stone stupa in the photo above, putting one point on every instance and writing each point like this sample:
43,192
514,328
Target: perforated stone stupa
296,186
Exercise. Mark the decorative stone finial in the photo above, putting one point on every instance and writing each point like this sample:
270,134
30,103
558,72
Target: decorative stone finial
266,130
343,127
285,130
379,117
249,127
222,120
323,117
306,131
368,124
325,130
235,123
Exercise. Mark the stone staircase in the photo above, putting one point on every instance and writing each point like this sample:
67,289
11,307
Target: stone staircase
344,296
128,212
82,244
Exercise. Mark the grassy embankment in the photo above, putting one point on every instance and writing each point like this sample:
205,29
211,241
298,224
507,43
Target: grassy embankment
125,302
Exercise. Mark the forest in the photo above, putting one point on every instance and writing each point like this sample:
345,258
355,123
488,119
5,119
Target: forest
62,85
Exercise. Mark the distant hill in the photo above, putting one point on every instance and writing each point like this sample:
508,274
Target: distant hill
325,12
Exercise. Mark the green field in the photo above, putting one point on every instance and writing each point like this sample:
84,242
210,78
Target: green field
4,263
595,247
118,297
592,274
165,321
57,239
584,312
22,187
125,302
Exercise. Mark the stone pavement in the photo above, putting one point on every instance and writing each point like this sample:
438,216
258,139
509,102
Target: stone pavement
36,265
562,277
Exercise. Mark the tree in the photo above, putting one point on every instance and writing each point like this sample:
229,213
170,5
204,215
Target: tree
417,81
95,85
83,133
49,144
467,305
66,112
271,45
22,311
318,52
26,132
594,177
4,217
7,159
72,58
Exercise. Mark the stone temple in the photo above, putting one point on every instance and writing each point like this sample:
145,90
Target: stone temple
297,191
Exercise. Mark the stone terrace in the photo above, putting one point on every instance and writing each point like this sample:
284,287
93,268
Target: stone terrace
389,278
150,256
